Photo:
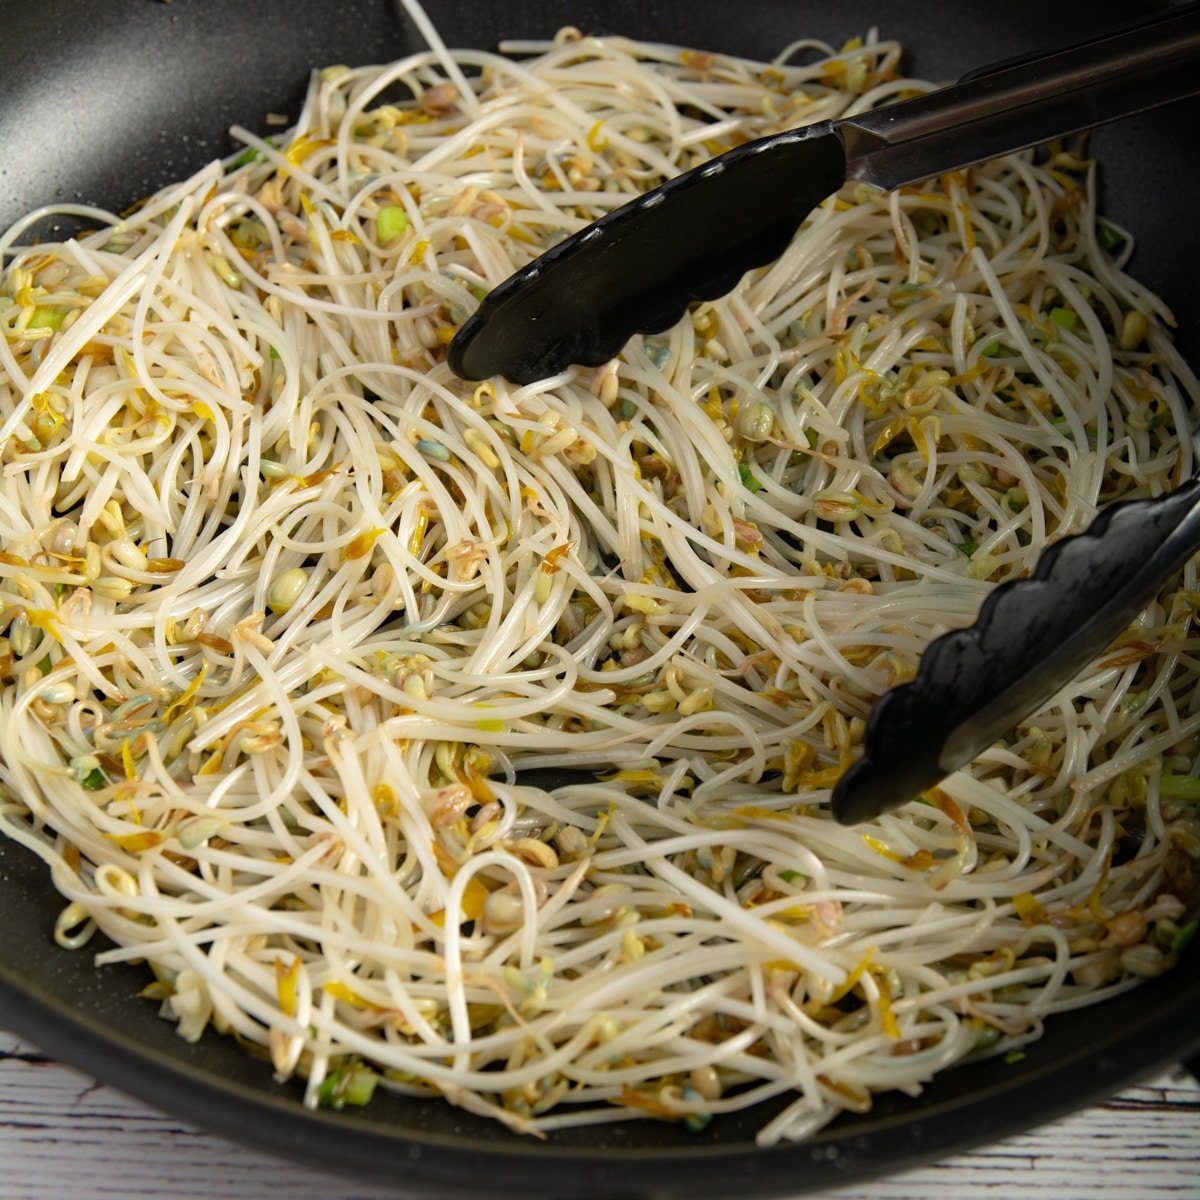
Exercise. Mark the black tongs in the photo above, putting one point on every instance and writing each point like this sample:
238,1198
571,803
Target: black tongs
636,270
1031,637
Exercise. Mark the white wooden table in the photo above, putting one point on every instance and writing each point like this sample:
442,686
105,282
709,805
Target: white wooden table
63,1135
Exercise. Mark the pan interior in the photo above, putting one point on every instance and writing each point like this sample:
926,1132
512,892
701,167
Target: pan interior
103,110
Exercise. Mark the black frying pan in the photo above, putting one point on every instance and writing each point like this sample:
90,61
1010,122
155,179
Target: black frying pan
105,103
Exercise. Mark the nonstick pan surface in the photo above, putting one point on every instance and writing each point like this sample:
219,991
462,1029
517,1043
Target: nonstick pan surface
105,103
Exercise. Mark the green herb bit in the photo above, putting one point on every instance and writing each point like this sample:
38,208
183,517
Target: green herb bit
45,318
750,481
328,1088
347,1085
1014,1056
1110,239
250,155
1065,318
1183,935
966,548
985,1036
927,222
1180,787
790,876
994,347
94,780
361,1086
390,224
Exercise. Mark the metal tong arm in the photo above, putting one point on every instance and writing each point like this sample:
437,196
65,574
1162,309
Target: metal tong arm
1023,102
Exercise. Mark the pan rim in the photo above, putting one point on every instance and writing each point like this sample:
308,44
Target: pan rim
374,1151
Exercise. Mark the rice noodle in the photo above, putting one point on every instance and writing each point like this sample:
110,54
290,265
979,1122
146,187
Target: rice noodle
292,612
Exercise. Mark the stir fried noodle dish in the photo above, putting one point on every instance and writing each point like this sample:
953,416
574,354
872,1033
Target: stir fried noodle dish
477,740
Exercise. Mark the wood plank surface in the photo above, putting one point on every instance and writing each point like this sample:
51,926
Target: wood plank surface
65,1137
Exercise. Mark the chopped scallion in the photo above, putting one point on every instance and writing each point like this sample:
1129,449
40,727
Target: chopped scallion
347,1085
45,318
1183,935
750,481
1110,239
390,224
1179,787
247,156
361,1086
